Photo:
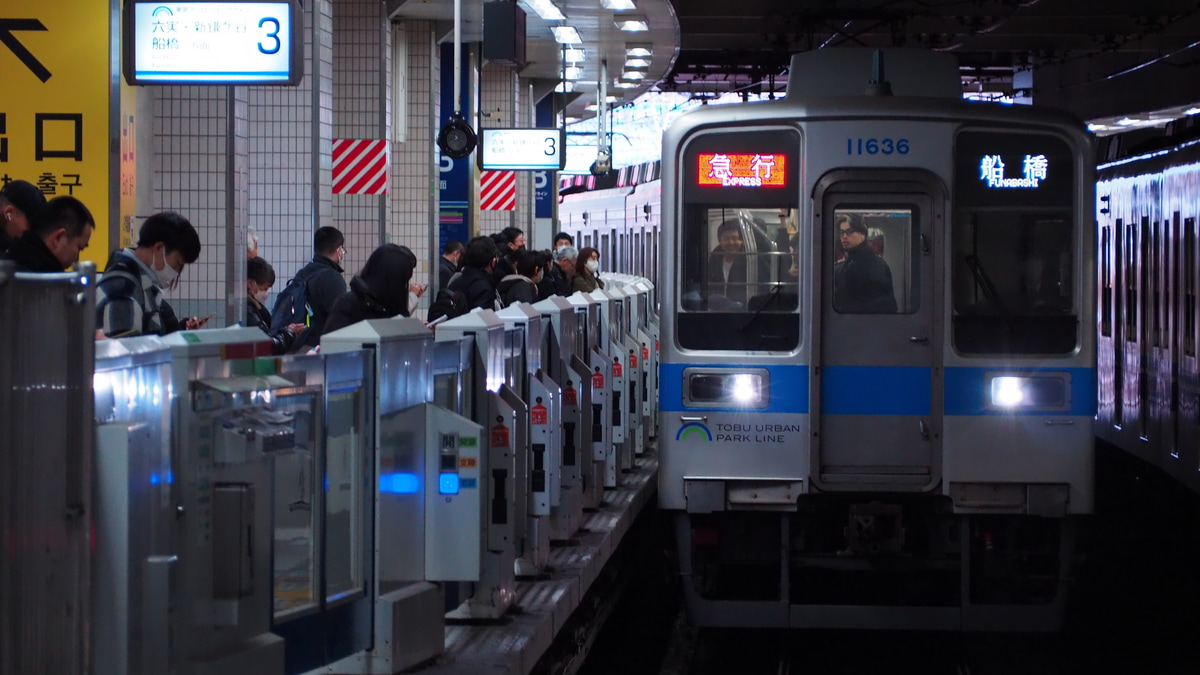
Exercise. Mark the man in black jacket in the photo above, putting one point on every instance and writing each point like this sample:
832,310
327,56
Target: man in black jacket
20,203
862,281
475,280
56,237
325,284
448,265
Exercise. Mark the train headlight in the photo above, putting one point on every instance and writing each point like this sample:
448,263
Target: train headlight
1048,392
725,388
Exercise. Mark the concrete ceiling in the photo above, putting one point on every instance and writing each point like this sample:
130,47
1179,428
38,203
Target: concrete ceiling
1104,60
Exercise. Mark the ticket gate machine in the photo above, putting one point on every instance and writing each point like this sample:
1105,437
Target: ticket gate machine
624,338
479,338
235,419
565,368
425,486
133,513
599,439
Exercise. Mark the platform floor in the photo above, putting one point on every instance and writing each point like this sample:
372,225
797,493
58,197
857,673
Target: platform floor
515,644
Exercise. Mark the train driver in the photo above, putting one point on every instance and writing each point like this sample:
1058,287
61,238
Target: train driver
862,281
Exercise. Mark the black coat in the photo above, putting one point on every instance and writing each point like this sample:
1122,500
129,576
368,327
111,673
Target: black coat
735,287
325,285
380,293
516,288
446,269
477,285
31,255
259,317
862,283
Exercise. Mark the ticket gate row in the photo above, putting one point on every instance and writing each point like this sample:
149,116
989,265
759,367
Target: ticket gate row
324,513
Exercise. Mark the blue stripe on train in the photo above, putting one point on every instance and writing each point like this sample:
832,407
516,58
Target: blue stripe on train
788,388
877,390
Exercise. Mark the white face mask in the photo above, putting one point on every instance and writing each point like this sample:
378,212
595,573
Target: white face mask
261,297
167,276
593,265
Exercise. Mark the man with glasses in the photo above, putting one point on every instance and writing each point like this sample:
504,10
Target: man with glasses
323,284
862,281
129,295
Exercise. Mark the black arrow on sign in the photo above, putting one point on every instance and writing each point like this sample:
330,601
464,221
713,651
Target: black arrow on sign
7,26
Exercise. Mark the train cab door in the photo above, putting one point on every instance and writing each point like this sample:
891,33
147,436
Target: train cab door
876,376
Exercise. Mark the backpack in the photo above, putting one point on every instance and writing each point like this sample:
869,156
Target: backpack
449,302
292,304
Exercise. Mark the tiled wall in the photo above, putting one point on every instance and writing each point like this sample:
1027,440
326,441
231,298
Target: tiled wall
192,175
291,146
499,106
413,207
361,63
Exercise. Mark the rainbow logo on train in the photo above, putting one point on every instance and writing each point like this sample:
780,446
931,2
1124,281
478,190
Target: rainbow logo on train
693,429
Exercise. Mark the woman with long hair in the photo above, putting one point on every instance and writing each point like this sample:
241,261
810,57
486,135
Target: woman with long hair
379,291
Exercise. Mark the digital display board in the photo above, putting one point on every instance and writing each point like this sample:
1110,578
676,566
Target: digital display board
994,168
522,149
741,169
213,43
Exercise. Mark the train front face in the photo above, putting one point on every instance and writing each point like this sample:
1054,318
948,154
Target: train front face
878,369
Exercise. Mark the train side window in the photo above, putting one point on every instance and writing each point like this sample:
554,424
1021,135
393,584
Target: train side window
1106,275
875,261
1130,283
1189,286
1013,283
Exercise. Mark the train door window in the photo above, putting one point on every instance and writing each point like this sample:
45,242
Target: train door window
1189,286
1156,281
1014,244
1106,272
1130,267
875,270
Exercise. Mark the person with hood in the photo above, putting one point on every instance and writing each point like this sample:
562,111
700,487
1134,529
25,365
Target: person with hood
20,204
379,291
260,276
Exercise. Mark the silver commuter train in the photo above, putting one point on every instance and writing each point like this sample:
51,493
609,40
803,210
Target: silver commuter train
916,464
1149,387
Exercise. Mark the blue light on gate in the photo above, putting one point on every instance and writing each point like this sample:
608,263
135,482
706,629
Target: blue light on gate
154,479
448,483
399,483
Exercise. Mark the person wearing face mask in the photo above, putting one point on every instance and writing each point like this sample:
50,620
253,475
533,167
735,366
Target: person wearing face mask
129,295
587,266
562,240
260,276
58,234
510,241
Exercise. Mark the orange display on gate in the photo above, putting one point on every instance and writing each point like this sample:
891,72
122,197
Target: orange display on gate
744,169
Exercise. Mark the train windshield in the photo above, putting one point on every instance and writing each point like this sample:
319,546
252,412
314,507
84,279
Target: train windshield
739,264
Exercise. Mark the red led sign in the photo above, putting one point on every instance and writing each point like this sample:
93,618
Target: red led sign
741,170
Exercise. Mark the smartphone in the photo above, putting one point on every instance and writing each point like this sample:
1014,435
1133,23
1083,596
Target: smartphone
438,320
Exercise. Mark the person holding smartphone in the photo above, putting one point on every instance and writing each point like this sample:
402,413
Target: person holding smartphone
129,295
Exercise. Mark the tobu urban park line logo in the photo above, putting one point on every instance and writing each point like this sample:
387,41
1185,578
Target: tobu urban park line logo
693,430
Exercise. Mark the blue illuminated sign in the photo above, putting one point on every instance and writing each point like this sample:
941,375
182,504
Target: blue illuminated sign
448,483
1034,168
399,483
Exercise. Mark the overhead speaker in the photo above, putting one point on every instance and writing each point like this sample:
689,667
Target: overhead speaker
504,33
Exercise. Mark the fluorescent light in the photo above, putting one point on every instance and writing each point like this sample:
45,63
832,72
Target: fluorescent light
631,23
622,84
566,35
639,49
633,75
637,63
618,5
573,55
1192,111
572,72
546,9
565,87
